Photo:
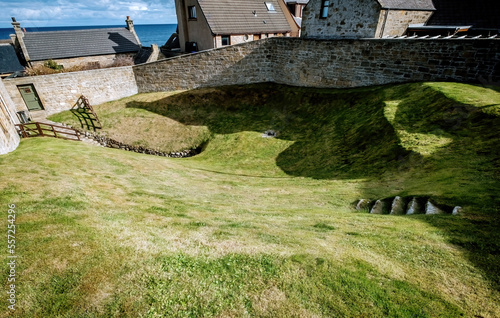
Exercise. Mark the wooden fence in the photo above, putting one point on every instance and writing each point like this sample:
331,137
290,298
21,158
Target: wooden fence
47,130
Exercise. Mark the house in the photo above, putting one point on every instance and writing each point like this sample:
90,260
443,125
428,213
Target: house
96,47
363,18
9,62
208,24
296,7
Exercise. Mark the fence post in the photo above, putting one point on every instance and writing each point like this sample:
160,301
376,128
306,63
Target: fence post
40,132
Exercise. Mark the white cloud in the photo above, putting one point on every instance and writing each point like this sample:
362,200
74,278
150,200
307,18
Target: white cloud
138,8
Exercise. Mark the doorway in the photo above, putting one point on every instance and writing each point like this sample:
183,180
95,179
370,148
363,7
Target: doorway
30,97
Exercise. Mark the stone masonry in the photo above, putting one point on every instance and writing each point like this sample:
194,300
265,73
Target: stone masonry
238,64
9,139
60,92
339,63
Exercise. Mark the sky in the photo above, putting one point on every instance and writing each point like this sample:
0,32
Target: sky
45,13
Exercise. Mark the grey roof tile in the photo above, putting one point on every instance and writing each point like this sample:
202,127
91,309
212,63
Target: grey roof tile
76,43
407,4
9,63
237,17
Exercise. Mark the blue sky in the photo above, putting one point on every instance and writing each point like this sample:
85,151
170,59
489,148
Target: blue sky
43,13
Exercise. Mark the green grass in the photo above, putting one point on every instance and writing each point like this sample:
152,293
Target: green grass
264,227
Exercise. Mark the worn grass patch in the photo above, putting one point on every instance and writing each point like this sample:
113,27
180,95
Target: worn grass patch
265,226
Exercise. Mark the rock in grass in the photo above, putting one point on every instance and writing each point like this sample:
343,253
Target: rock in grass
431,208
398,206
457,210
364,204
414,207
378,207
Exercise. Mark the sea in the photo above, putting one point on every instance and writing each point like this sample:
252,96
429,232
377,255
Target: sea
147,33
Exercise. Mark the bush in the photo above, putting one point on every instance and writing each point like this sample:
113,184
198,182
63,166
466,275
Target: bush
53,65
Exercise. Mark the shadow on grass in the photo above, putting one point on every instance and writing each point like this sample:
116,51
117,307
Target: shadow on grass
380,135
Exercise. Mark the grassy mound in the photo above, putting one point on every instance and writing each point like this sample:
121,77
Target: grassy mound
437,139
264,226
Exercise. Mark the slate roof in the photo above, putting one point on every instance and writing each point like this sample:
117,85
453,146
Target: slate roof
297,1
407,4
480,14
9,63
77,43
236,16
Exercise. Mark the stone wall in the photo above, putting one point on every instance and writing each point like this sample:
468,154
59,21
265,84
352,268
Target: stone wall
9,139
352,63
327,63
99,60
60,92
239,64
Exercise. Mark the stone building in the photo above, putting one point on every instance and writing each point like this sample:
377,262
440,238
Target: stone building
208,24
9,139
363,18
97,47
296,8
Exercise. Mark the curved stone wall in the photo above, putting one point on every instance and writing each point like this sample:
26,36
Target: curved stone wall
327,63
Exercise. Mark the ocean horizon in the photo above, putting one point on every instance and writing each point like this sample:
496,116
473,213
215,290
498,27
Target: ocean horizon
148,33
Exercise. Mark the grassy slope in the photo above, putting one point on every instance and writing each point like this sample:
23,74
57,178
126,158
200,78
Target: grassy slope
264,227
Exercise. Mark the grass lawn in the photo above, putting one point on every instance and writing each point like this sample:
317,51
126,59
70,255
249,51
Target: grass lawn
262,227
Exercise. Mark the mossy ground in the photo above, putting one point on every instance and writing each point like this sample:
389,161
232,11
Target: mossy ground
264,226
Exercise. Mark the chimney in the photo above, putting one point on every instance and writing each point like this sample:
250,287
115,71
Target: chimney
130,27
18,40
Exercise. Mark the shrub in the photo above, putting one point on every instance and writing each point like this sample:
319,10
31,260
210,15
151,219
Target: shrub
53,65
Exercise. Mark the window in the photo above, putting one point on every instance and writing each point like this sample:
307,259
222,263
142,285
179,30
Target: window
192,12
324,9
270,6
225,40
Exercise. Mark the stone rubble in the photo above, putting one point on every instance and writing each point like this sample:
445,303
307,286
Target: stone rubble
103,141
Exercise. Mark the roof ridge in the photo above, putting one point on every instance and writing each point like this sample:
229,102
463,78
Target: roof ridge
79,30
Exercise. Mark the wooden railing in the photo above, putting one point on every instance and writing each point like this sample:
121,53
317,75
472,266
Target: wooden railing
47,130
86,114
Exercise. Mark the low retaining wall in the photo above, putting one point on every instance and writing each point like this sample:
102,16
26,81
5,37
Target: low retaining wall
327,63
111,143
60,92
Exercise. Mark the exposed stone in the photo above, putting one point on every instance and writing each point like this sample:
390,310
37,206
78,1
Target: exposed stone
457,210
269,134
414,207
431,208
379,207
398,206
111,143
364,204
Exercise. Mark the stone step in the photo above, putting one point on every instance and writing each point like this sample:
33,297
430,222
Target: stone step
38,115
406,206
